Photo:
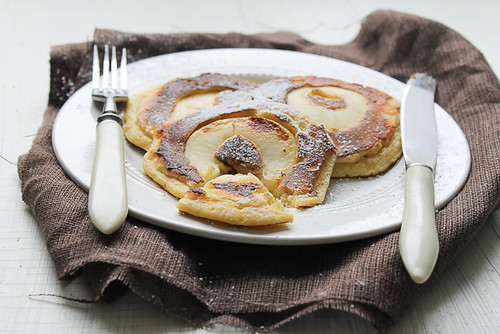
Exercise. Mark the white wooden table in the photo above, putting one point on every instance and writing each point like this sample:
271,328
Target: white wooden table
465,299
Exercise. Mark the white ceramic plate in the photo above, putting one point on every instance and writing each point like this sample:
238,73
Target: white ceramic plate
353,208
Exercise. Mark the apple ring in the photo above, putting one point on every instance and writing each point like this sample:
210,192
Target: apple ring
362,121
149,109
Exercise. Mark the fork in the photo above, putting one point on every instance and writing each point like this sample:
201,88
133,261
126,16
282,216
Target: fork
108,206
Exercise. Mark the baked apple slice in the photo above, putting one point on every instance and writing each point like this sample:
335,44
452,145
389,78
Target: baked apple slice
362,121
175,99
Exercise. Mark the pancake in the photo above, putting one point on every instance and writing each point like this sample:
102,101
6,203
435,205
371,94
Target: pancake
235,199
362,121
292,157
149,109
236,152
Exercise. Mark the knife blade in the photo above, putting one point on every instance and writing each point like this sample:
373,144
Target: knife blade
418,239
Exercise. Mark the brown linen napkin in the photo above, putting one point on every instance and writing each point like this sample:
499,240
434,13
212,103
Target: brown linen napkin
262,287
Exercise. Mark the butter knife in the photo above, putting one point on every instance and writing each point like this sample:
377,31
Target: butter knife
418,239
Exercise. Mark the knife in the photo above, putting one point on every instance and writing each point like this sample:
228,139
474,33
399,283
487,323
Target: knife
418,239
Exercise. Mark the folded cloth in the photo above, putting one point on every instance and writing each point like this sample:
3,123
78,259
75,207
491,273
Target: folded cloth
211,282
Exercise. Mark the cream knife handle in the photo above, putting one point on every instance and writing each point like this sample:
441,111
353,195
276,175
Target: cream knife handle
108,191
418,240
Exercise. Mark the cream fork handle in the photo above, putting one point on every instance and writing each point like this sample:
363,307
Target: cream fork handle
108,206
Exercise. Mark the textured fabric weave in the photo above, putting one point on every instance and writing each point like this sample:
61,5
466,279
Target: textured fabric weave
262,287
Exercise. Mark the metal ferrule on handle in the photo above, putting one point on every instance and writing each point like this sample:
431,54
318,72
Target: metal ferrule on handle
419,164
110,112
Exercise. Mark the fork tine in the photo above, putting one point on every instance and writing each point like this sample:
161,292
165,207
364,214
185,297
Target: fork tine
123,70
105,68
113,85
114,70
95,68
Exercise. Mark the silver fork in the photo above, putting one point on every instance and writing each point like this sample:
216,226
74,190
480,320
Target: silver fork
108,206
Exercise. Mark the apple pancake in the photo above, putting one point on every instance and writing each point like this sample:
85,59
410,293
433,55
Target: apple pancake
149,109
362,121
237,199
291,156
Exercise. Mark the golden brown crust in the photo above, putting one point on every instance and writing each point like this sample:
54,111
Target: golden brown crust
134,133
372,164
313,148
235,199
